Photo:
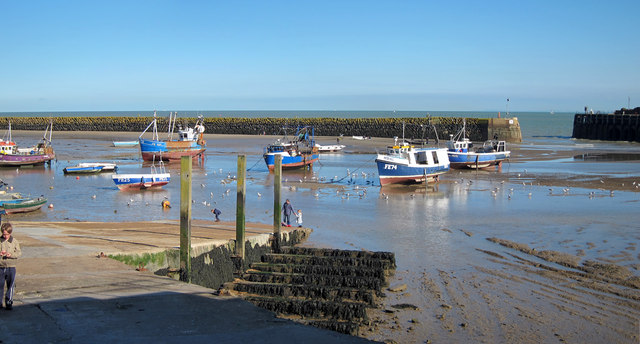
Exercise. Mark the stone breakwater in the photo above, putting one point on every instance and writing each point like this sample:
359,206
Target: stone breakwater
478,129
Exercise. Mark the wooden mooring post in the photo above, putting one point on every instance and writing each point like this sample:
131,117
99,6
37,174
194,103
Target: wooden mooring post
240,224
185,219
277,210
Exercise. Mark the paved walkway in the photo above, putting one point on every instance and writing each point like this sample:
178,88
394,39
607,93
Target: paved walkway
65,293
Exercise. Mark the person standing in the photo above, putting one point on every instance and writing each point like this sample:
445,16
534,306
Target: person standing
299,218
9,253
287,208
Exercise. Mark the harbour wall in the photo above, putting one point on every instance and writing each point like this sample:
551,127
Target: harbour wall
607,127
478,129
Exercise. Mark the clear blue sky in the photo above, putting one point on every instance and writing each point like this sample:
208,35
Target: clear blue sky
319,55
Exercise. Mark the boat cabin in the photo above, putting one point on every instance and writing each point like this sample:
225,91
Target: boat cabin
7,147
460,146
419,156
493,146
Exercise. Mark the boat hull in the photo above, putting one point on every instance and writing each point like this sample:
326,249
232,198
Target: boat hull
291,162
24,206
330,148
140,181
20,159
476,160
154,150
396,173
125,143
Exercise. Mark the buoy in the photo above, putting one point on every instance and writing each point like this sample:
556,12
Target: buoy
77,177
166,204
50,206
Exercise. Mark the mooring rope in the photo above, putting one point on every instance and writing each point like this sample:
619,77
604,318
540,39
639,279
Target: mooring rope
254,165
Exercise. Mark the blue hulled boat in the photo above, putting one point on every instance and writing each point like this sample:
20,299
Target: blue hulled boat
190,141
405,164
91,167
463,155
296,153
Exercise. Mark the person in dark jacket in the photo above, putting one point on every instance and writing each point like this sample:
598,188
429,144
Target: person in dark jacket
216,212
287,208
9,253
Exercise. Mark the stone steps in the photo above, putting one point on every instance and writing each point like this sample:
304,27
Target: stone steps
326,288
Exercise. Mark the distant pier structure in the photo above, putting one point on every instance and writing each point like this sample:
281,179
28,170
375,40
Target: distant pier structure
622,125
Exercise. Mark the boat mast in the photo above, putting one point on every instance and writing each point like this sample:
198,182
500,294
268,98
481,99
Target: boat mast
464,129
155,126
50,130
172,124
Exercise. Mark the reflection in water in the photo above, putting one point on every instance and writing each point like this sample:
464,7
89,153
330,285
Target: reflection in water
607,156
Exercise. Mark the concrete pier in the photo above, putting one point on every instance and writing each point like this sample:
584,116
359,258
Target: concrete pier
607,127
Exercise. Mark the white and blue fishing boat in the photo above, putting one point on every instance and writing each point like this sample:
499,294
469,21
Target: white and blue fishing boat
140,181
404,164
189,141
462,154
297,153
91,167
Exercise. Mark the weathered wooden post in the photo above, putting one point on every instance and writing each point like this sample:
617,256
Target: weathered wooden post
240,182
277,211
185,219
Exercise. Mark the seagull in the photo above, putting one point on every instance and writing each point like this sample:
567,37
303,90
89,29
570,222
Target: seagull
94,196
259,194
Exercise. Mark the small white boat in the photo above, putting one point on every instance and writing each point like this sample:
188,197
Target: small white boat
329,148
91,167
141,181
125,143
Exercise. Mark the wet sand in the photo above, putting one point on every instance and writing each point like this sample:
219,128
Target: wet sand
508,291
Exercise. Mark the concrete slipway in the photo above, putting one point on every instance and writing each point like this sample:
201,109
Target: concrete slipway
65,293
